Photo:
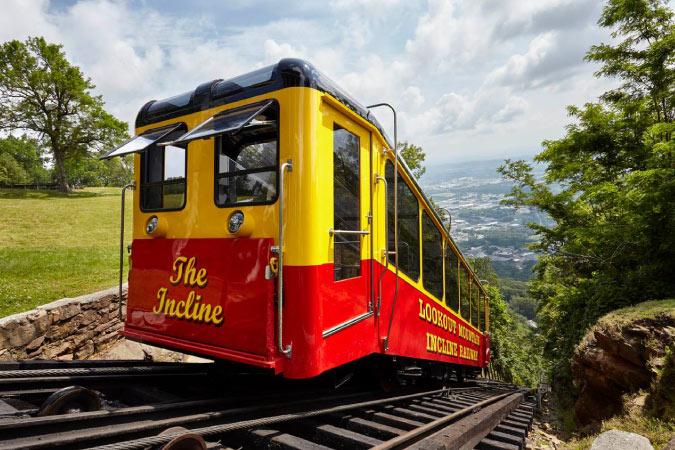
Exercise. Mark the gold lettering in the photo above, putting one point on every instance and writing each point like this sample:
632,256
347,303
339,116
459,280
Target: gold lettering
217,317
161,294
178,270
422,310
170,307
201,278
179,313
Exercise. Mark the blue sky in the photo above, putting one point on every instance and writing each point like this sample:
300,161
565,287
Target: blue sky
470,79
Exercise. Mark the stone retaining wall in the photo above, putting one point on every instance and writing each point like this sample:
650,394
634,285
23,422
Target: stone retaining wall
70,328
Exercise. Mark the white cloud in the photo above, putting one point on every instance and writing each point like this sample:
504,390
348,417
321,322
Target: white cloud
491,75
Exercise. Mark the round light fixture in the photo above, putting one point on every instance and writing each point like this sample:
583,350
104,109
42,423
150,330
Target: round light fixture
151,225
235,222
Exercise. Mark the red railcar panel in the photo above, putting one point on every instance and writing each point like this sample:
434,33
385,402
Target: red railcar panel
203,295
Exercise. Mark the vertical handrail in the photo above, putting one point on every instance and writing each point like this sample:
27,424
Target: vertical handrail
393,307
131,186
379,178
280,251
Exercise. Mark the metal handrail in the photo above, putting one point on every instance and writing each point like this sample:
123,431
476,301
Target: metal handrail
393,307
280,251
379,178
360,232
131,186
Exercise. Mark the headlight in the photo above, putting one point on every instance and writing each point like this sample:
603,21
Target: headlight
236,221
151,225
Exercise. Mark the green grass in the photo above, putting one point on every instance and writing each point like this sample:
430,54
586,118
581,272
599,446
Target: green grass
55,245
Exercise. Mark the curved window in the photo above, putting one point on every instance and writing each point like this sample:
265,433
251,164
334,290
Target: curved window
247,160
408,224
451,279
432,257
163,174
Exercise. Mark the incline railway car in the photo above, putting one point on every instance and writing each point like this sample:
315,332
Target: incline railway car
275,225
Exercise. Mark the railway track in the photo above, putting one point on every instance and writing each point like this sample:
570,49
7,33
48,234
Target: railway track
79,405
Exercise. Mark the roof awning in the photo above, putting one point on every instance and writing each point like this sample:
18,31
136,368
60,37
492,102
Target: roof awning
141,141
230,121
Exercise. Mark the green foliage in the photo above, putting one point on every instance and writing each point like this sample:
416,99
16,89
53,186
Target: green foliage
515,348
611,244
11,171
413,156
25,153
42,93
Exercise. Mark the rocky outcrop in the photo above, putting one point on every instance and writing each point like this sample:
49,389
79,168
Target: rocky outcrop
70,328
615,439
624,352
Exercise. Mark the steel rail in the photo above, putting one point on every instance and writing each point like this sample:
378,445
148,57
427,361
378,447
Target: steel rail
38,373
215,430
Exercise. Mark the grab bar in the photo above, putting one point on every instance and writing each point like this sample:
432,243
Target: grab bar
334,232
131,186
280,251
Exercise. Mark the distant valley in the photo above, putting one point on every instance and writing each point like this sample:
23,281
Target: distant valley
481,226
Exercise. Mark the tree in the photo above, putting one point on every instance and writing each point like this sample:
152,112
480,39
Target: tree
27,153
611,243
414,157
43,94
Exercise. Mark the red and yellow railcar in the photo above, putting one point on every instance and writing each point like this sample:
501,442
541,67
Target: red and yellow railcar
270,229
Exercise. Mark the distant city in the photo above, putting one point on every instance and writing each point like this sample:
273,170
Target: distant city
481,226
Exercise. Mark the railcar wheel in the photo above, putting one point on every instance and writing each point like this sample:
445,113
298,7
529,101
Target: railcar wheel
72,399
186,441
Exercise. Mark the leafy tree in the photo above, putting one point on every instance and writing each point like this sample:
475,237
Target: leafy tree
414,156
26,152
611,243
516,351
11,171
43,94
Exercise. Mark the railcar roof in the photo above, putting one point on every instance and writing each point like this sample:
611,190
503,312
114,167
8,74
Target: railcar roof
289,72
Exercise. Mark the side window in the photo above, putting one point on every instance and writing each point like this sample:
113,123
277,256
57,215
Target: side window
163,174
346,200
451,279
432,257
474,304
481,312
247,162
408,224
465,310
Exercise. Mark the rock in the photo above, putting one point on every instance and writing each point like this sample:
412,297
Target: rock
35,343
41,321
605,342
69,310
85,351
670,445
621,440
52,352
66,357
22,334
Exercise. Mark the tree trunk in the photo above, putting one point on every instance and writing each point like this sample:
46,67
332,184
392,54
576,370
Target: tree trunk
61,170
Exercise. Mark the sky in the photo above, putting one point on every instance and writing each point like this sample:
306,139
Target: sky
476,79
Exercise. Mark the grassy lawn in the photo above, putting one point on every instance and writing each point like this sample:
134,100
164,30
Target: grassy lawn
55,245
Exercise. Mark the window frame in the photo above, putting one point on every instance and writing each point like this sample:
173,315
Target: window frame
419,222
448,249
425,215
216,167
337,125
144,155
